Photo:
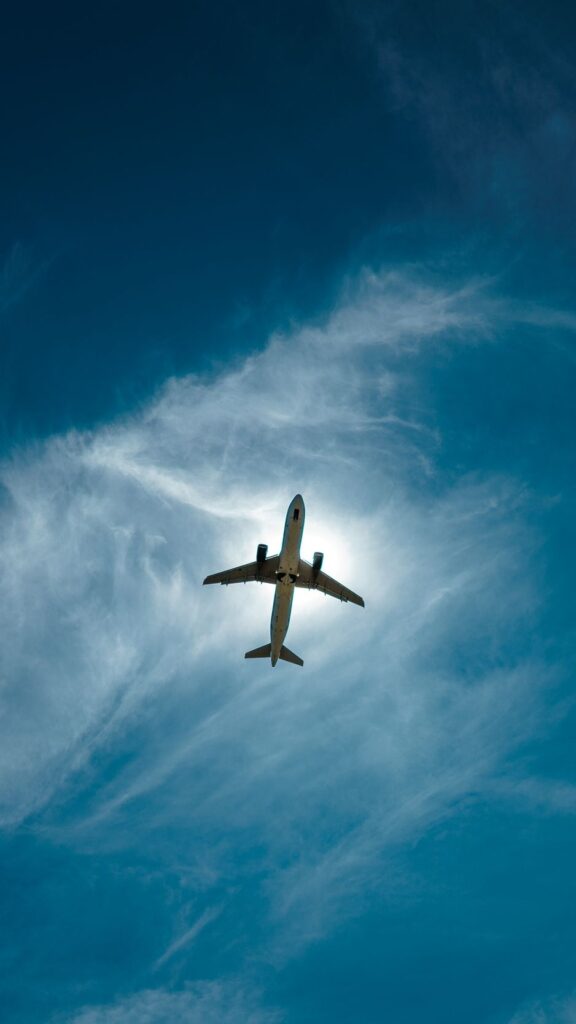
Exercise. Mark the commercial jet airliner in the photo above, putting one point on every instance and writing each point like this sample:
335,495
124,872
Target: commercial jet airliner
287,571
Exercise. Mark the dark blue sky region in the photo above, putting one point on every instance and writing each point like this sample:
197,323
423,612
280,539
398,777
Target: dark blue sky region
186,179
178,183
249,250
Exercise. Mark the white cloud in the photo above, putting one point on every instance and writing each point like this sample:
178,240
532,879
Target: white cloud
188,936
401,710
203,1003
548,796
559,1010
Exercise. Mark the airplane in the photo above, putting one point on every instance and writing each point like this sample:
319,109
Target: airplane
286,571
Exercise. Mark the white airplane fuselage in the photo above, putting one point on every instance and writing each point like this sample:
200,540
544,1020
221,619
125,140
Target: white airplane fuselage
287,573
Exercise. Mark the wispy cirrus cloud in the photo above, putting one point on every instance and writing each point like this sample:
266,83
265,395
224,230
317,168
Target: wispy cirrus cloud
192,932
495,115
556,1010
205,1003
111,645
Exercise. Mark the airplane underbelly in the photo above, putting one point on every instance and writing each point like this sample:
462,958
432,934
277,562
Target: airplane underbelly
281,611
290,553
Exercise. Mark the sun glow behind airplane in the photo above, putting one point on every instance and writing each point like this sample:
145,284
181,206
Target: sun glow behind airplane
287,571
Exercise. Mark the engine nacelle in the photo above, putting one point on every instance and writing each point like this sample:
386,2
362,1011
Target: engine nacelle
261,552
317,562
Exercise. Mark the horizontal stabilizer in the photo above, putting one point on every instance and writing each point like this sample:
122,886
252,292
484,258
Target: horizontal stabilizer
287,655
264,652
260,652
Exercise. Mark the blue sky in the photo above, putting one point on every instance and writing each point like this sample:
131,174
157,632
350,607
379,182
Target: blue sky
245,252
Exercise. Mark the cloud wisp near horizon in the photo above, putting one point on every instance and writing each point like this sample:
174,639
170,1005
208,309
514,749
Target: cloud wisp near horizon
280,804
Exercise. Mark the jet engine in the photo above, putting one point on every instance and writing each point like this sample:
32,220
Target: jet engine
317,562
261,552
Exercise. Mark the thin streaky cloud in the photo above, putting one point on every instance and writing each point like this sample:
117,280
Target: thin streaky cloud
191,933
222,1002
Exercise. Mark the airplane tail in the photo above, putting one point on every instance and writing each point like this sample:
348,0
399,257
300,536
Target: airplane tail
287,655
259,652
264,652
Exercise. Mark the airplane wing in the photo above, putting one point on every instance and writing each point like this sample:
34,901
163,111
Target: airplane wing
262,572
321,581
